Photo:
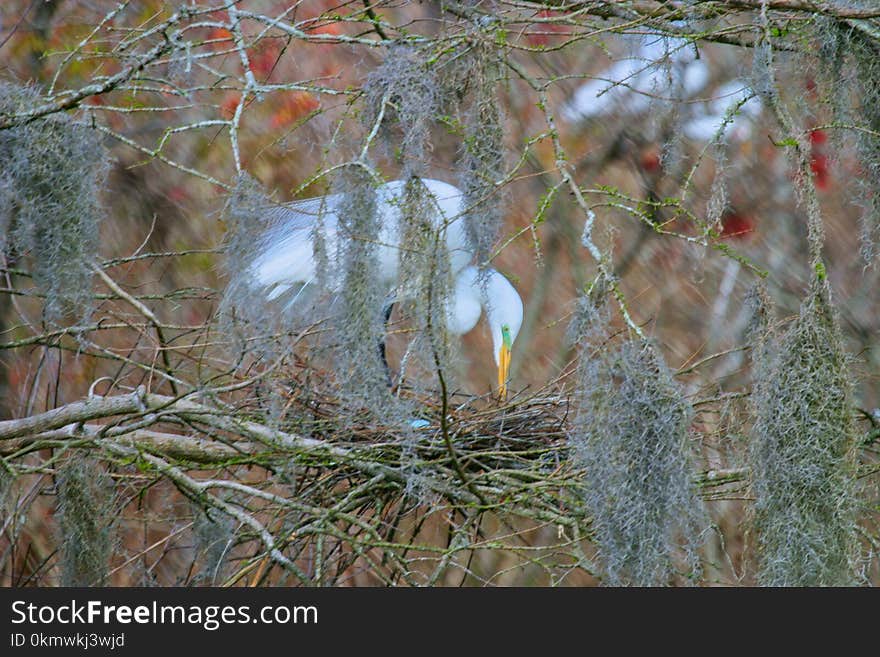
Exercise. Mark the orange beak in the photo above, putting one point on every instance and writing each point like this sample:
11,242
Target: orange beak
503,370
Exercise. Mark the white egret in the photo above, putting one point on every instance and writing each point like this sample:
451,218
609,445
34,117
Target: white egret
661,70
285,261
630,84
707,117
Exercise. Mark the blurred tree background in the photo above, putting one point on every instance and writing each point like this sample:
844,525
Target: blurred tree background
685,194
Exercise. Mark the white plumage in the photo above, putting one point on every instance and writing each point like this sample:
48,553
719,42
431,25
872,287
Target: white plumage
664,70
285,260
630,84
286,252
707,117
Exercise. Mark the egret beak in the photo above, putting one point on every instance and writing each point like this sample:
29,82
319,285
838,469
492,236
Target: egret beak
504,362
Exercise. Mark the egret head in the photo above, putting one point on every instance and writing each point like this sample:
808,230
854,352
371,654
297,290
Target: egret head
489,290
504,310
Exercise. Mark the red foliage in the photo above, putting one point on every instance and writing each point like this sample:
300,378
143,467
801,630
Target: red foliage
227,109
821,174
736,225
222,36
820,163
178,194
542,34
333,29
264,57
649,160
294,105
818,137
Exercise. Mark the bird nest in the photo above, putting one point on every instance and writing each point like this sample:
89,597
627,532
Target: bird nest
474,448
378,493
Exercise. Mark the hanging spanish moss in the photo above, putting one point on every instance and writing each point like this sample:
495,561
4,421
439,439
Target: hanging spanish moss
50,184
867,57
832,74
631,437
412,95
758,331
245,225
718,203
425,269
245,314
86,509
406,88
7,482
667,116
359,325
481,165
855,100
802,454
214,535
